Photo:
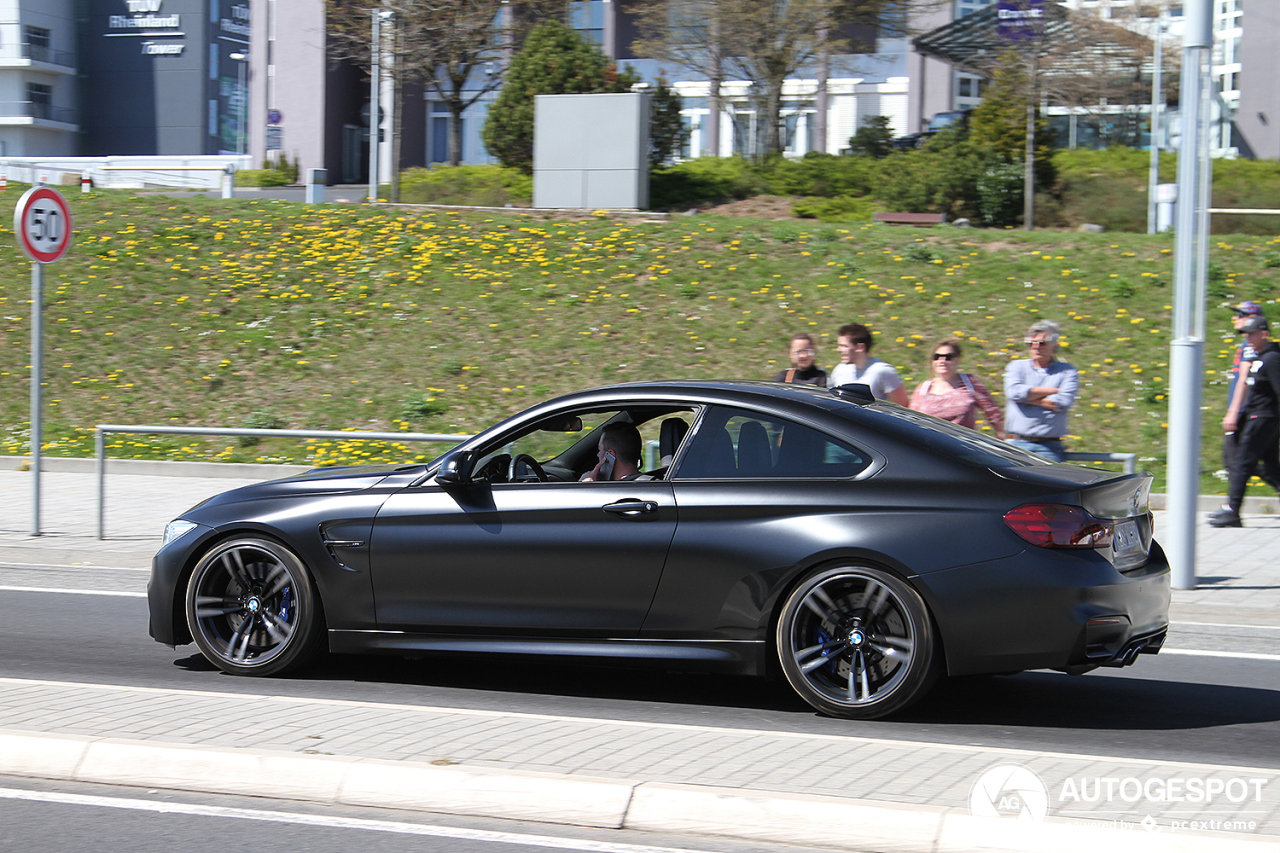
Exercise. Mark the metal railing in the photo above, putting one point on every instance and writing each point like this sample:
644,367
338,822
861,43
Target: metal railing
40,53
1130,460
38,109
102,430
1250,210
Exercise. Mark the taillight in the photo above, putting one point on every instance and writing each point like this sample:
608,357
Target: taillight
1059,526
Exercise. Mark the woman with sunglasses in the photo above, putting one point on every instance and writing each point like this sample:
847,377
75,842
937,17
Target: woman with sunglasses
955,396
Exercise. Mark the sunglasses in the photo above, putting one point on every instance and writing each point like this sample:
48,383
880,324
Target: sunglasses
1038,343
947,355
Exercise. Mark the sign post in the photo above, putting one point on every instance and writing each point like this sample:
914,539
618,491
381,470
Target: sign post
42,222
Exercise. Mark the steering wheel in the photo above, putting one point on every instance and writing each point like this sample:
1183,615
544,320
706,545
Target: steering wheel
514,474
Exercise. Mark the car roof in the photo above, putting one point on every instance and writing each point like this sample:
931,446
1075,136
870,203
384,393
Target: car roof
744,391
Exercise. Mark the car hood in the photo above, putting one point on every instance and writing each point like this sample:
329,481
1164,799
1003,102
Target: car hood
317,481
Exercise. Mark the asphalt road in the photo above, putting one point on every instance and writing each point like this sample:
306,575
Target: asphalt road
1174,707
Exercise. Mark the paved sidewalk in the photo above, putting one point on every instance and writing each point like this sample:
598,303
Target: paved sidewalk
827,791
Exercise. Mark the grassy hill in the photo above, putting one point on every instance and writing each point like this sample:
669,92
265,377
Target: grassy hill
261,313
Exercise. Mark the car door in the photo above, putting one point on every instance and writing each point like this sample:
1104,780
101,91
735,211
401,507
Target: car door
552,558
756,493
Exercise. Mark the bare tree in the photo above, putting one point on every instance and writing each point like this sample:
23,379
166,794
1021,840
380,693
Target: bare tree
400,55
467,47
765,42
1066,58
690,34
1103,69
459,49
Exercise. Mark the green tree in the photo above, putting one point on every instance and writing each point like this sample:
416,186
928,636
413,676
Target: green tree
554,60
667,133
941,177
873,139
998,126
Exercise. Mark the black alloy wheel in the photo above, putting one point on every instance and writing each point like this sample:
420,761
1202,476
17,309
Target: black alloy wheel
252,608
856,642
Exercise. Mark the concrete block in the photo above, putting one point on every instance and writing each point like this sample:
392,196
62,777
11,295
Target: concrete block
504,794
228,771
42,755
787,818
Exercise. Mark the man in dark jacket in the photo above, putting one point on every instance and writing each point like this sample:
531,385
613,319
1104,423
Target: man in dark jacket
1258,442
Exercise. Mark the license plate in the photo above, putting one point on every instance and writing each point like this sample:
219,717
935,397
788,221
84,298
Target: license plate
1127,542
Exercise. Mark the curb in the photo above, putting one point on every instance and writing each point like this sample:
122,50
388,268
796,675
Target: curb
578,800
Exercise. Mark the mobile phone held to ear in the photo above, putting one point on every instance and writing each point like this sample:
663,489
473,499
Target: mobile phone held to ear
606,468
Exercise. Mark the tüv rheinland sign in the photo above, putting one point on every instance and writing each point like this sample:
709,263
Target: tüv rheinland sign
1020,20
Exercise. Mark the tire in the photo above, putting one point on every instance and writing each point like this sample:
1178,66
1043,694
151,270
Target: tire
252,608
857,642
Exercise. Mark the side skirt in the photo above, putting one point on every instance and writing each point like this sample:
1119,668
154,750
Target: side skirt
739,657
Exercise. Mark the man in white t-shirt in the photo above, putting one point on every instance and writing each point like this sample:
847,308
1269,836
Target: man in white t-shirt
858,367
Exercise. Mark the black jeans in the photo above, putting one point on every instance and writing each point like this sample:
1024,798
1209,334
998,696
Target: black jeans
1258,442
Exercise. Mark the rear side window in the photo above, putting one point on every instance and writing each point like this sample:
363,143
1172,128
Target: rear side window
737,444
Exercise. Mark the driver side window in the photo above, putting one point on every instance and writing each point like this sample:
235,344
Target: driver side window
564,447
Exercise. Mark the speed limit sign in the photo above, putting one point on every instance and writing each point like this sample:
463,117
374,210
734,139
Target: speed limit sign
42,222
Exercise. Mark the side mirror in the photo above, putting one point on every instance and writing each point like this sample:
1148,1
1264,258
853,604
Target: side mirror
455,468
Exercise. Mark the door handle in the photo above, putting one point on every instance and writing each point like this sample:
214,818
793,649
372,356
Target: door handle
631,508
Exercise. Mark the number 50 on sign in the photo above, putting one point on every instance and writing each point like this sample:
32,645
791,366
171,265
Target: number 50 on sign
42,222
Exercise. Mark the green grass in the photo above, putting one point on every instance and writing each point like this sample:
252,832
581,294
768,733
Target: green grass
234,313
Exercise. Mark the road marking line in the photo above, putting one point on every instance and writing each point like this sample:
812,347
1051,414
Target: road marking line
328,822
1226,625
59,591
8,565
243,699
1203,653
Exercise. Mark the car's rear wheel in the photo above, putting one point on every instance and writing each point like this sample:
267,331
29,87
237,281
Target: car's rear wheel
253,609
856,642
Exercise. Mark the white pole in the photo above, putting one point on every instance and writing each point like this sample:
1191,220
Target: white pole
1186,356
244,109
375,86
37,370
1157,102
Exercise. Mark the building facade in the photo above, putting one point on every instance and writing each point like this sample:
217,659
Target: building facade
38,83
164,76
186,77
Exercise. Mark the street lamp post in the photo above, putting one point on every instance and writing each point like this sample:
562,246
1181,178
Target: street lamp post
242,136
375,92
1157,107
1190,265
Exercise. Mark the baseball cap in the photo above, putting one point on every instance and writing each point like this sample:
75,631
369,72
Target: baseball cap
1247,307
1255,323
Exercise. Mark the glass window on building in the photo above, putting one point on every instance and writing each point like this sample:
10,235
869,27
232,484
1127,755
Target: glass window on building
587,17
692,128
438,133
40,99
37,40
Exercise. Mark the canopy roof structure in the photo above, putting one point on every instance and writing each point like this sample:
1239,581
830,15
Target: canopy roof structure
975,42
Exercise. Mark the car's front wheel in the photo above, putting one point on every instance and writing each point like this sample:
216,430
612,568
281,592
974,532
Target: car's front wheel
856,642
253,609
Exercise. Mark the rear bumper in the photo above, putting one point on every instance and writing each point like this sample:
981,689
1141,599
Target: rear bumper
1049,609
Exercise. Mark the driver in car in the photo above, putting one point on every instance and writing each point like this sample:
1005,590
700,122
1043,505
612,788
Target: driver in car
619,454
